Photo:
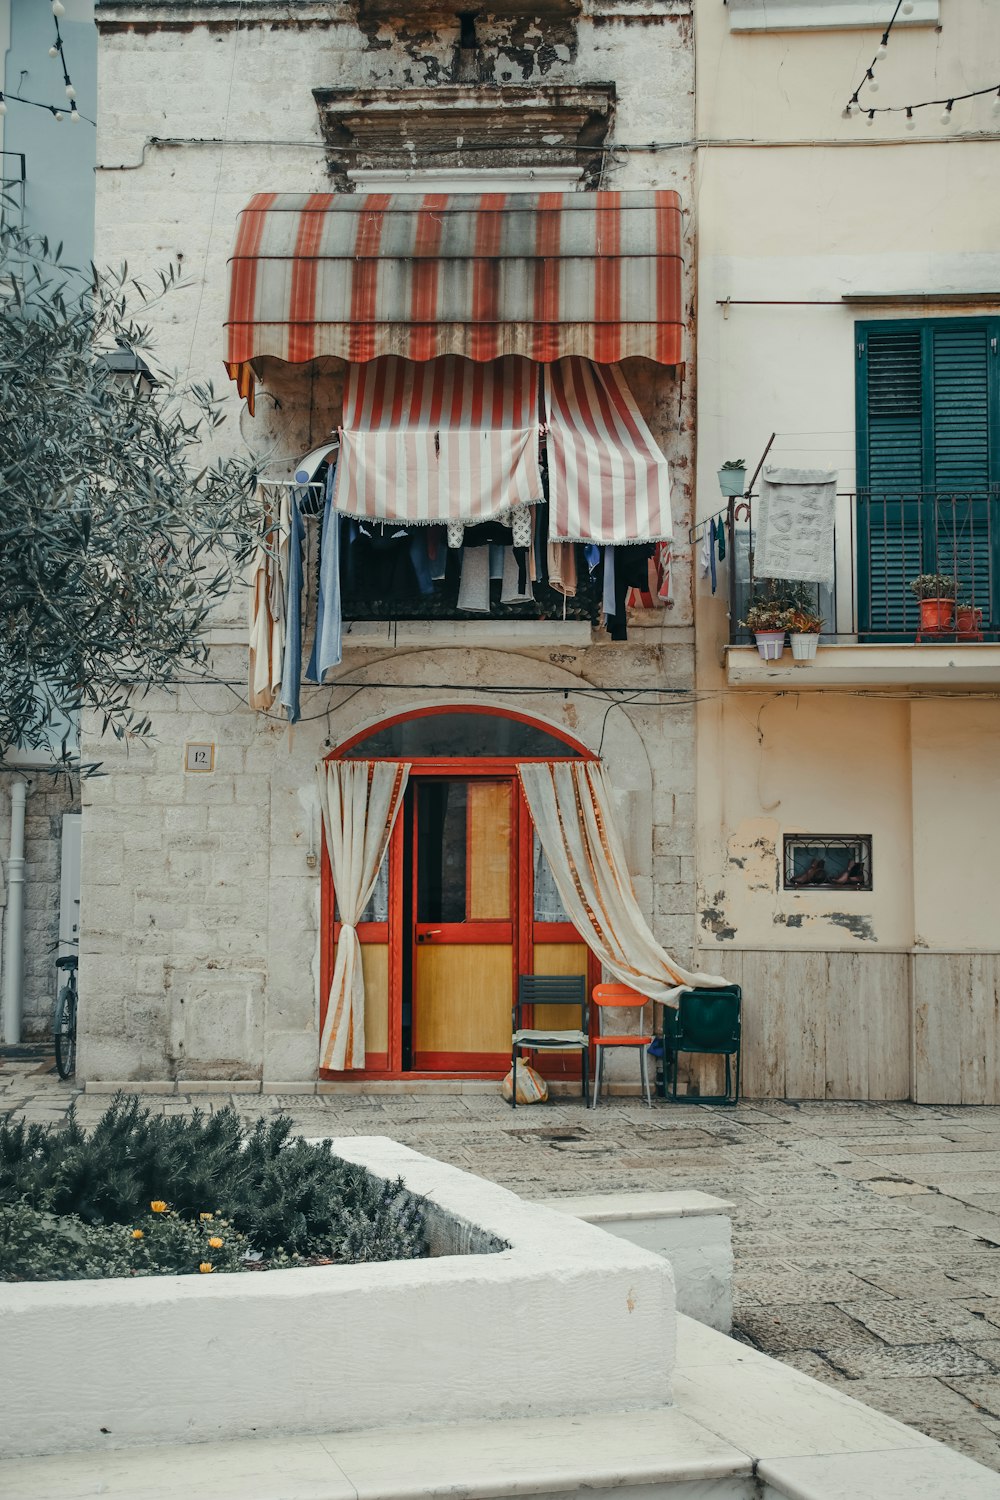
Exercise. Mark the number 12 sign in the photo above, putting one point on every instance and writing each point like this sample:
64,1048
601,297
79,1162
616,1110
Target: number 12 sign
199,757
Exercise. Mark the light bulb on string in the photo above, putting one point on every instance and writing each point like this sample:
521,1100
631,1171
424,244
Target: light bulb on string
871,117
57,115
74,117
946,119
996,104
70,91
907,7
58,9
883,47
911,123
53,51
872,82
3,105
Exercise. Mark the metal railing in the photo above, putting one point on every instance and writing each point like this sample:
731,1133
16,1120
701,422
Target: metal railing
882,542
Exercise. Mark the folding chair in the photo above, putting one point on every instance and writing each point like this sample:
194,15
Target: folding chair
550,989
709,1022
618,997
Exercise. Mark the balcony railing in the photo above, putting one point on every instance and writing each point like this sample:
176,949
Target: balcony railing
882,542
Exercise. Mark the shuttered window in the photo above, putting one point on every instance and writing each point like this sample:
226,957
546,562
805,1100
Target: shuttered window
928,465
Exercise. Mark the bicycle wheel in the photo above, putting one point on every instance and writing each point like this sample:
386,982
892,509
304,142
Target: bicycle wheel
64,1027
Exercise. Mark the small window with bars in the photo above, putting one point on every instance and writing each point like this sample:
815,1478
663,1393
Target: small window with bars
824,861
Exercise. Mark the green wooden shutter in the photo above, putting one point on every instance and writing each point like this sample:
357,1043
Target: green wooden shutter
890,475
928,447
960,457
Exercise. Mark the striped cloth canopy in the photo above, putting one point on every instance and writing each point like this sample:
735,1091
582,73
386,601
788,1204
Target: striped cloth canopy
450,440
608,480
447,440
542,275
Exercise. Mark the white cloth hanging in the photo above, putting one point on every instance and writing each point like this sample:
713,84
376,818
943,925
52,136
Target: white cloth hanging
571,808
360,800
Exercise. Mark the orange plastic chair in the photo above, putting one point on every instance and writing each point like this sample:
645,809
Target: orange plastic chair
619,997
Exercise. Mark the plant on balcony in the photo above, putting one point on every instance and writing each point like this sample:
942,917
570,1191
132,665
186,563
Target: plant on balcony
769,620
968,621
936,593
732,476
804,627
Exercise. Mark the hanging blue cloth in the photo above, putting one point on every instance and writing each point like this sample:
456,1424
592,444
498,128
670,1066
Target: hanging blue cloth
711,551
326,651
292,667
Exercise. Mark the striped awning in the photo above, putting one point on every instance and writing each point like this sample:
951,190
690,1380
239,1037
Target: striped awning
541,275
446,440
608,480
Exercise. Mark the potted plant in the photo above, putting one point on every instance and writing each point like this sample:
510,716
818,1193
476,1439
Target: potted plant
768,620
968,620
732,477
803,631
936,592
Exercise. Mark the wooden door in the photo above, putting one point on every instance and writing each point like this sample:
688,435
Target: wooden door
463,929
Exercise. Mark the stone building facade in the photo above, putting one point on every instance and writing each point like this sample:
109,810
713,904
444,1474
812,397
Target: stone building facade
202,909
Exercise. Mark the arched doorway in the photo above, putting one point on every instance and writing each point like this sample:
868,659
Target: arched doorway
464,903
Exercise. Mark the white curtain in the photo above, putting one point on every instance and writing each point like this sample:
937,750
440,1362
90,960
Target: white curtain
360,801
571,808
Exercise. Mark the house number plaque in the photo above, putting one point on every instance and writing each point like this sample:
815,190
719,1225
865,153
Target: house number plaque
199,757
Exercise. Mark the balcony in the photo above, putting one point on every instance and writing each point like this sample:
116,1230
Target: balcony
873,635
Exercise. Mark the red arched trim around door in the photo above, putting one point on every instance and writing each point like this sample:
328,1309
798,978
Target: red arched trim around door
390,934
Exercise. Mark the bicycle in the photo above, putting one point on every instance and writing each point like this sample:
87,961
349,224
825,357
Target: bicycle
64,1020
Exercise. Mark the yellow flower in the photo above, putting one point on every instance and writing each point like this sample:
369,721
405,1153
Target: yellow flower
158,1206
205,1266
203,1217
137,1234
215,1242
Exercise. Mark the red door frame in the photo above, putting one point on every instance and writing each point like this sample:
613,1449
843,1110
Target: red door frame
526,934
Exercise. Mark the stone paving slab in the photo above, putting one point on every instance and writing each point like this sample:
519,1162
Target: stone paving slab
892,1298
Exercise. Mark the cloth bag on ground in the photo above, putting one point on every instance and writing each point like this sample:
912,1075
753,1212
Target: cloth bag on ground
531,1086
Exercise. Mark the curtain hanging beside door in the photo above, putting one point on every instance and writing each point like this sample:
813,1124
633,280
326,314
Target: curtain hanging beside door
360,801
570,806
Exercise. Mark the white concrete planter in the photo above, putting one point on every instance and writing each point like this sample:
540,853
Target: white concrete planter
568,1319
803,646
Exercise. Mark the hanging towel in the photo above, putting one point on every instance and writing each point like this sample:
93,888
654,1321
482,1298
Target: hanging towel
498,554
292,671
474,593
711,552
421,562
562,568
326,651
794,523
720,535
515,588
705,555
608,592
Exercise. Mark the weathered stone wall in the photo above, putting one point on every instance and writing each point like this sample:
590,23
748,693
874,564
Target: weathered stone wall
200,910
49,798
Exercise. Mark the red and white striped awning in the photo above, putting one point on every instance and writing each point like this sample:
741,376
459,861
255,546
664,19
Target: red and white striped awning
542,275
446,440
608,480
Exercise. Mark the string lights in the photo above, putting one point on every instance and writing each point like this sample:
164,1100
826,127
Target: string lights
870,83
57,50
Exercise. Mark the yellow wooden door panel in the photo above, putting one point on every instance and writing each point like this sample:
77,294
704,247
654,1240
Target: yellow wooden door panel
489,851
463,998
375,968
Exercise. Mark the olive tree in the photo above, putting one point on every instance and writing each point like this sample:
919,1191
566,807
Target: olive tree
118,536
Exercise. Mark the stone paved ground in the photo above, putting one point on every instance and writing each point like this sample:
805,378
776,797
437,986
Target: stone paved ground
867,1237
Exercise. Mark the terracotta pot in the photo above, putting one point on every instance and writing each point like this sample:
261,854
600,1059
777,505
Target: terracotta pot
936,614
968,621
770,643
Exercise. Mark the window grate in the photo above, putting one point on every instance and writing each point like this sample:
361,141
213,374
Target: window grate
823,861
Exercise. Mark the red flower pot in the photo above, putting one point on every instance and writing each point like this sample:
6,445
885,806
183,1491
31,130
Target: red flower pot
936,614
969,622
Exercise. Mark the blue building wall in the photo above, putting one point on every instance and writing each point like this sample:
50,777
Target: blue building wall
59,157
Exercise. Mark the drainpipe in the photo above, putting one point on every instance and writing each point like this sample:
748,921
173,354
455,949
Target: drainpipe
14,933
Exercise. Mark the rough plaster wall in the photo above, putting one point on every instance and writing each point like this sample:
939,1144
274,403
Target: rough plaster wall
48,799
200,914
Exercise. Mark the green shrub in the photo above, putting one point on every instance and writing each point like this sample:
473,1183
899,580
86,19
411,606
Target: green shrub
66,1197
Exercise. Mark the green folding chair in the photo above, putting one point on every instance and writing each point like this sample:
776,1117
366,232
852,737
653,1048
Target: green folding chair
707,1022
